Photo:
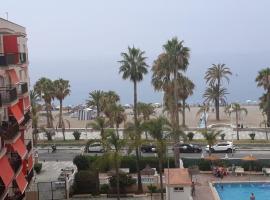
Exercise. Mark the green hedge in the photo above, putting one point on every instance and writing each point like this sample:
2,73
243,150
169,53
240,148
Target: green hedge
130,162
86,182
204,165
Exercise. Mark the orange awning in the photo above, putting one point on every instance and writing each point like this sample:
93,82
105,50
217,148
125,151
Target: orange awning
6,172
13,76
21,182
20,148
26,102
16,111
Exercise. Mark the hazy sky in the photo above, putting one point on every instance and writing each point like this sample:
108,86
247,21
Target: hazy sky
81,41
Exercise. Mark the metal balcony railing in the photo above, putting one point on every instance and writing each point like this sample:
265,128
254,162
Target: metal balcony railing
28,145
12,59
2,188
9,131
15,161
22,88
30,175
8,94
27,118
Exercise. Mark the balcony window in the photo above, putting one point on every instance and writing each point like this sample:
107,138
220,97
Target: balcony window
8,94
15,161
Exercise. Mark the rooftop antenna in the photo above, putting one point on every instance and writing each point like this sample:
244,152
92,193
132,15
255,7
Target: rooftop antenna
7,15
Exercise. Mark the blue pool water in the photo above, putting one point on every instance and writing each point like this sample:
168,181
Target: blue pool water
242,191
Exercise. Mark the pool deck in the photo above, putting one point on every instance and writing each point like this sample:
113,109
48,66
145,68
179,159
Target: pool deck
203,191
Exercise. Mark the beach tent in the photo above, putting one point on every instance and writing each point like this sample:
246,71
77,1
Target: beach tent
86,114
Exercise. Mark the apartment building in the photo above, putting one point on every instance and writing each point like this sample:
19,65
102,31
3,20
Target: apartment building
16,154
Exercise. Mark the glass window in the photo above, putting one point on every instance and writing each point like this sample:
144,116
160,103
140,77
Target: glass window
178,189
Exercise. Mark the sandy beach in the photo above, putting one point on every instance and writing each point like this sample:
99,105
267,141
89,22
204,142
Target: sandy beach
252,119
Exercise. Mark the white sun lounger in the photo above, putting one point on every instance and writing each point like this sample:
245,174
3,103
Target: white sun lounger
266,171
239,170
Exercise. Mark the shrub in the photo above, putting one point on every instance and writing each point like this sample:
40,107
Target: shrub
252,136
190,136
104,188
82,162
152,188
125,180
222,136
77,135
37,167
86,182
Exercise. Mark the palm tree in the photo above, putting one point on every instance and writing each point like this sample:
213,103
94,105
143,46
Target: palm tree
110,105
146,109
115,145
237,109
63,124
166,72
263,80
95,99
214,76
157,128
45,89
185,90
99,124
134,67
61,91
34,98
215,94
118,116
210,137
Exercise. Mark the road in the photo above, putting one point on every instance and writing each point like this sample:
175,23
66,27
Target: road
69,154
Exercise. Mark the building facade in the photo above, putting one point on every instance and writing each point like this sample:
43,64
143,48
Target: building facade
16,154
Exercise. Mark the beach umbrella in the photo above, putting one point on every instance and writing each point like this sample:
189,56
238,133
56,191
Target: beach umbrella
148,171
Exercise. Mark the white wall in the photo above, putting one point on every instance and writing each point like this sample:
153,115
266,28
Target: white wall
172,195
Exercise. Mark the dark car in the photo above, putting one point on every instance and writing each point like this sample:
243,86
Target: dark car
148,148
189,148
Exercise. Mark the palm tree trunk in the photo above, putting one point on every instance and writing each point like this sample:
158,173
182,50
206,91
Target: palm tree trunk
117,176
140,189
184,113
217,102
98,111
268,108
210,146
176,115
47,115
139,178
60,125
237,130
161,178
217,109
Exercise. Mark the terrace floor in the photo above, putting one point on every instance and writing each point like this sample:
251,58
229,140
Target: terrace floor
203,191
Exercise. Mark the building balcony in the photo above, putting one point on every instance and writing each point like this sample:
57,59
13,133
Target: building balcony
12,59
9,131
27,119
28,144
8,94
15,161
2,189
30,175
22,88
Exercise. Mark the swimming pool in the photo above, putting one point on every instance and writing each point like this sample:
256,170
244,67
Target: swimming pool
242,191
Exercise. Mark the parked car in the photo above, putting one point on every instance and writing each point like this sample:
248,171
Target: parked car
222,147
95,147
148,148
189,148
